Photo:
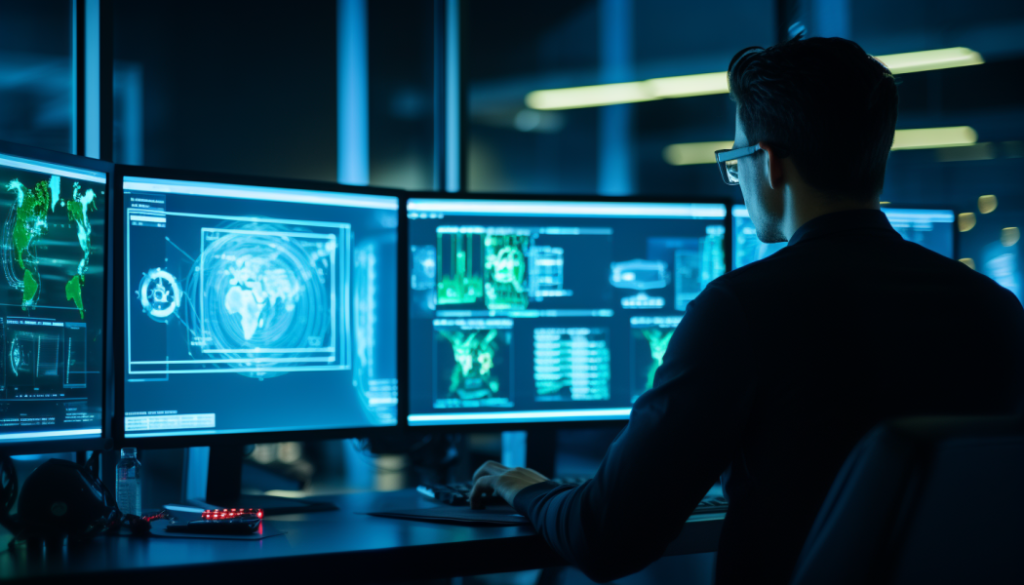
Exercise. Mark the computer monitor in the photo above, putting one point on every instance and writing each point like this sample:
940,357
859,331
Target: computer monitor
746,247
931,228
54,313
536,311
256,312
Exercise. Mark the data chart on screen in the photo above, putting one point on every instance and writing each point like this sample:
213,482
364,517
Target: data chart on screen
52,307
931,228
532,311
256,309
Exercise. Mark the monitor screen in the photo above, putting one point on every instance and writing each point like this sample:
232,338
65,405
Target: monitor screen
931,228
537,311
54,229
256,309
746,248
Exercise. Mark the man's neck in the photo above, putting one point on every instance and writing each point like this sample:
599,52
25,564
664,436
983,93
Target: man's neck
804,207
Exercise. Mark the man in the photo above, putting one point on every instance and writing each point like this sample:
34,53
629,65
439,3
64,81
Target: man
779,368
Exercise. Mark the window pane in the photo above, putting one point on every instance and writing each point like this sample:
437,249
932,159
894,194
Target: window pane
36,80
233,86
251,87
401,47
511,51
675,39
987,97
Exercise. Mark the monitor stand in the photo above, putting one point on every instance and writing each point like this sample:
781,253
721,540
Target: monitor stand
224,487
535,449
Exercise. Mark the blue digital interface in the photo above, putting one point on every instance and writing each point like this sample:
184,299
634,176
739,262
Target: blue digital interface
931,228
51,304
255,309
526,311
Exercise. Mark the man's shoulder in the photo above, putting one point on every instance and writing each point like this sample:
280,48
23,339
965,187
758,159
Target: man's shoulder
760,271
956,273
795,268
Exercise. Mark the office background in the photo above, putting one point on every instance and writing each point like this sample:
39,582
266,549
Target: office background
353,91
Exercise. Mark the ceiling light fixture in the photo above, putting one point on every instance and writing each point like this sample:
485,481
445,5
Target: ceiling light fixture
699,153
681,86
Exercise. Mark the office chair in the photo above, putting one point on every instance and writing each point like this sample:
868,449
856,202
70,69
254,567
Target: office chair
924,500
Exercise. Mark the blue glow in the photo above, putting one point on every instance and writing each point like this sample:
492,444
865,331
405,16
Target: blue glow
499,207
353,95
35,166
519,416
92,78
453,96
235,431
75,433
615,123
919,215
260,193
999,263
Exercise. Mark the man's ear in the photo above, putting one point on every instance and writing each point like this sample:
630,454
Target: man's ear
776,172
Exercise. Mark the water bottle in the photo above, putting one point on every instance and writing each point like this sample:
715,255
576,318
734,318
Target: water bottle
129,483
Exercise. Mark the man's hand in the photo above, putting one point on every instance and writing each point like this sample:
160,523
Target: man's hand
493,477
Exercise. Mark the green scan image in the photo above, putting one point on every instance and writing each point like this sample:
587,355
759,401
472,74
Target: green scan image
506,269
658,340
457,281
29,223
473,376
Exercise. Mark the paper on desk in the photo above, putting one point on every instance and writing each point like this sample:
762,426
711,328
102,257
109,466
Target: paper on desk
494,516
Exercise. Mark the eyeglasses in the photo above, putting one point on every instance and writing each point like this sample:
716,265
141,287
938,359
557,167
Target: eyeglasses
728,162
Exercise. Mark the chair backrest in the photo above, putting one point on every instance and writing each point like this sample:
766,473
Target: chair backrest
924,500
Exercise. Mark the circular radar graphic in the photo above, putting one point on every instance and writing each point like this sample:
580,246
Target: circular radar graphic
264,295
16,357
9,254
159,294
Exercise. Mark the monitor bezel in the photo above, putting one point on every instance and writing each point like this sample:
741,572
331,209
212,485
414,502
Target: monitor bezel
214,440
478,427
105,440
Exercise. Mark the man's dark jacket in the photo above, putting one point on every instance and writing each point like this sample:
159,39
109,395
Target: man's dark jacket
775,372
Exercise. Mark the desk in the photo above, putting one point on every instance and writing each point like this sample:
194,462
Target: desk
344,545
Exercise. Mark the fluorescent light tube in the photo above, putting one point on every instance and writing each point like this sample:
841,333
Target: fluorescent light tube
694,153
934,138
609,94
700,153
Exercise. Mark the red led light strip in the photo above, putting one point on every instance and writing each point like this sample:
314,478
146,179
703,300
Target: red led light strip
231,513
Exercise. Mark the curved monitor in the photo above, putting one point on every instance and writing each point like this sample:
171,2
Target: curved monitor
53,208
254,310
534,311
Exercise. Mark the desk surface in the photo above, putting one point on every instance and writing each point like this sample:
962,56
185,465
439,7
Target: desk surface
346,543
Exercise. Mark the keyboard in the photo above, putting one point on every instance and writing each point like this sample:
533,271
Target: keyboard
457,494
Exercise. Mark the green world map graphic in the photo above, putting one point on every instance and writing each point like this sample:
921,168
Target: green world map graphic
30,222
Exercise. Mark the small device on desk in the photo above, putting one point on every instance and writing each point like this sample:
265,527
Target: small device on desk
230,521
229,513
457,494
